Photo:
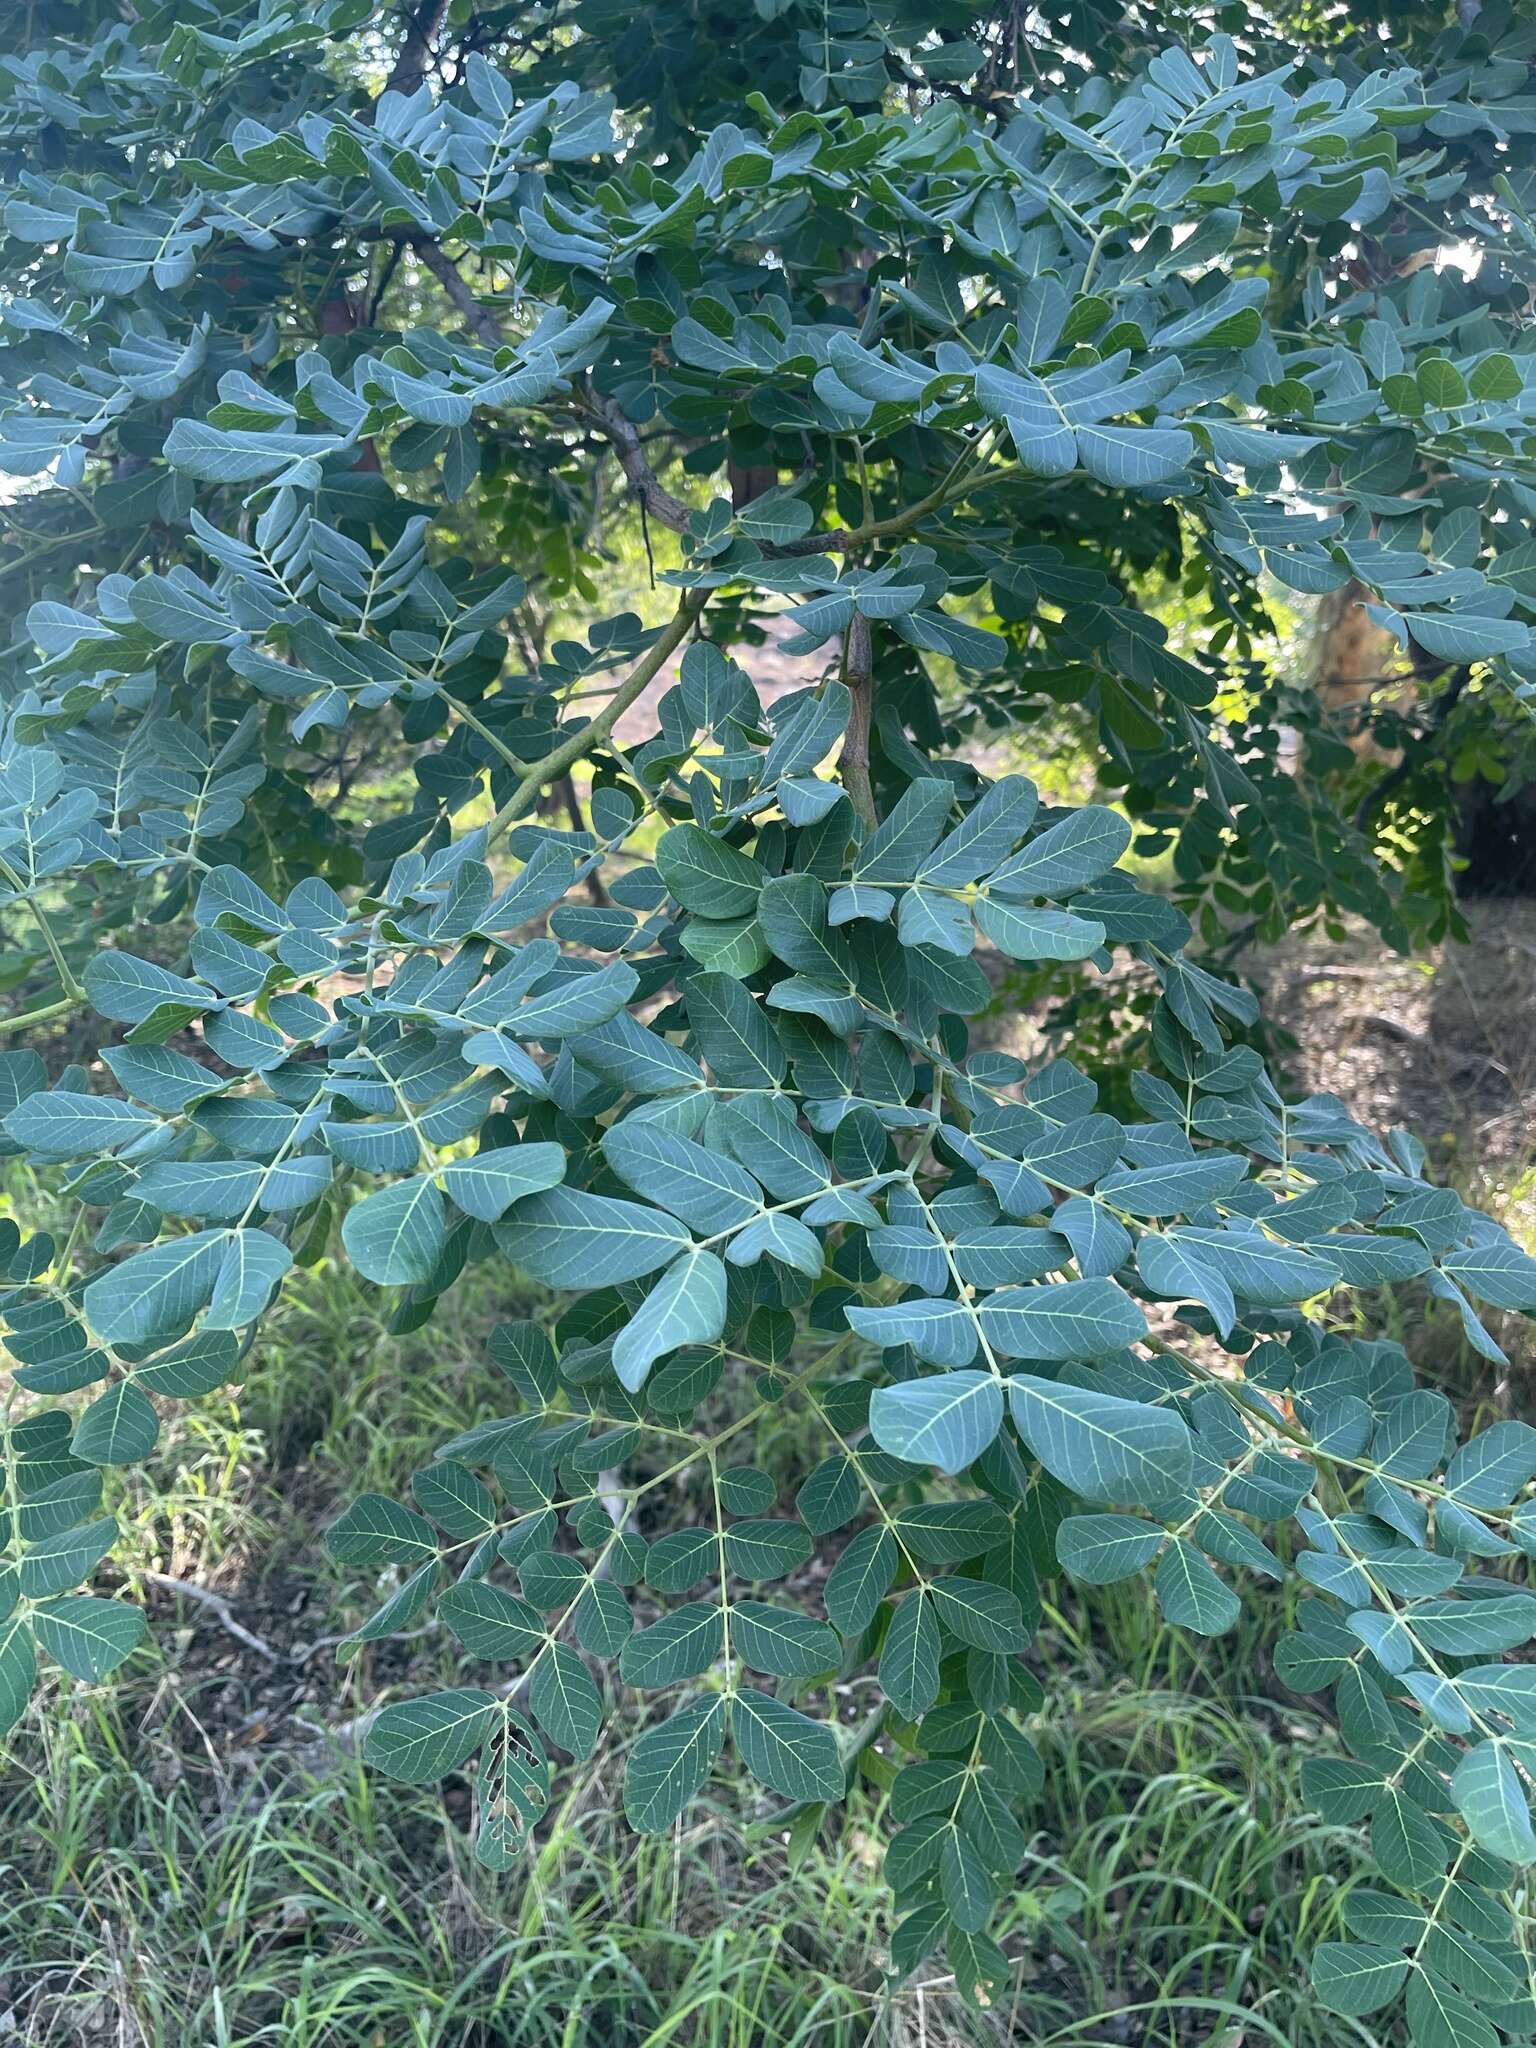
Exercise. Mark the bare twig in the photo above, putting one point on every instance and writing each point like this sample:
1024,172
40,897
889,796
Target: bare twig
858,674
216,1604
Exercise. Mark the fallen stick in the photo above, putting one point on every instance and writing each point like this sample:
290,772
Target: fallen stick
217,1605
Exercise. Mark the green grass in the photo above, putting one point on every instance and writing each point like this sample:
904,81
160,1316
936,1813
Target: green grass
168,1883
186,1860
168,1893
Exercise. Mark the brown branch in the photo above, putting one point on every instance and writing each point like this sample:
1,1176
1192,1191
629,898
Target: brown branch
376,297
624,438
858,674
480,320
564,793
749,482
422,25
993,100
1414,753
660,503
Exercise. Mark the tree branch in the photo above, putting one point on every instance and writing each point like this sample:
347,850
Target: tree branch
659,502
624,438
481,321
544,774
858,674
422,25
1413,754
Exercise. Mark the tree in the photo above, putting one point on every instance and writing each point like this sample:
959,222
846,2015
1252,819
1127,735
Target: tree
909,326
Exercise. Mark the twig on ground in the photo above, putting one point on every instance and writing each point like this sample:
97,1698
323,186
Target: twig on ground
217,1605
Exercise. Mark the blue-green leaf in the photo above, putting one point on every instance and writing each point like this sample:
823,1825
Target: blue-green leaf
947,1421
395,1236
568,1238
686,1306
1103,1447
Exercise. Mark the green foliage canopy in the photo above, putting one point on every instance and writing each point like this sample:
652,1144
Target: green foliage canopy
700,1061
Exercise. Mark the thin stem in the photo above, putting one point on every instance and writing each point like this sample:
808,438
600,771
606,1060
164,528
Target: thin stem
72,987
580,744
481,322
41,1015
514,761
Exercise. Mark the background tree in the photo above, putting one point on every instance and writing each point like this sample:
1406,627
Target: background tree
943,344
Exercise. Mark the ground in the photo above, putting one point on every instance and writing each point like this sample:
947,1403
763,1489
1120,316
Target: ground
1445,1045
